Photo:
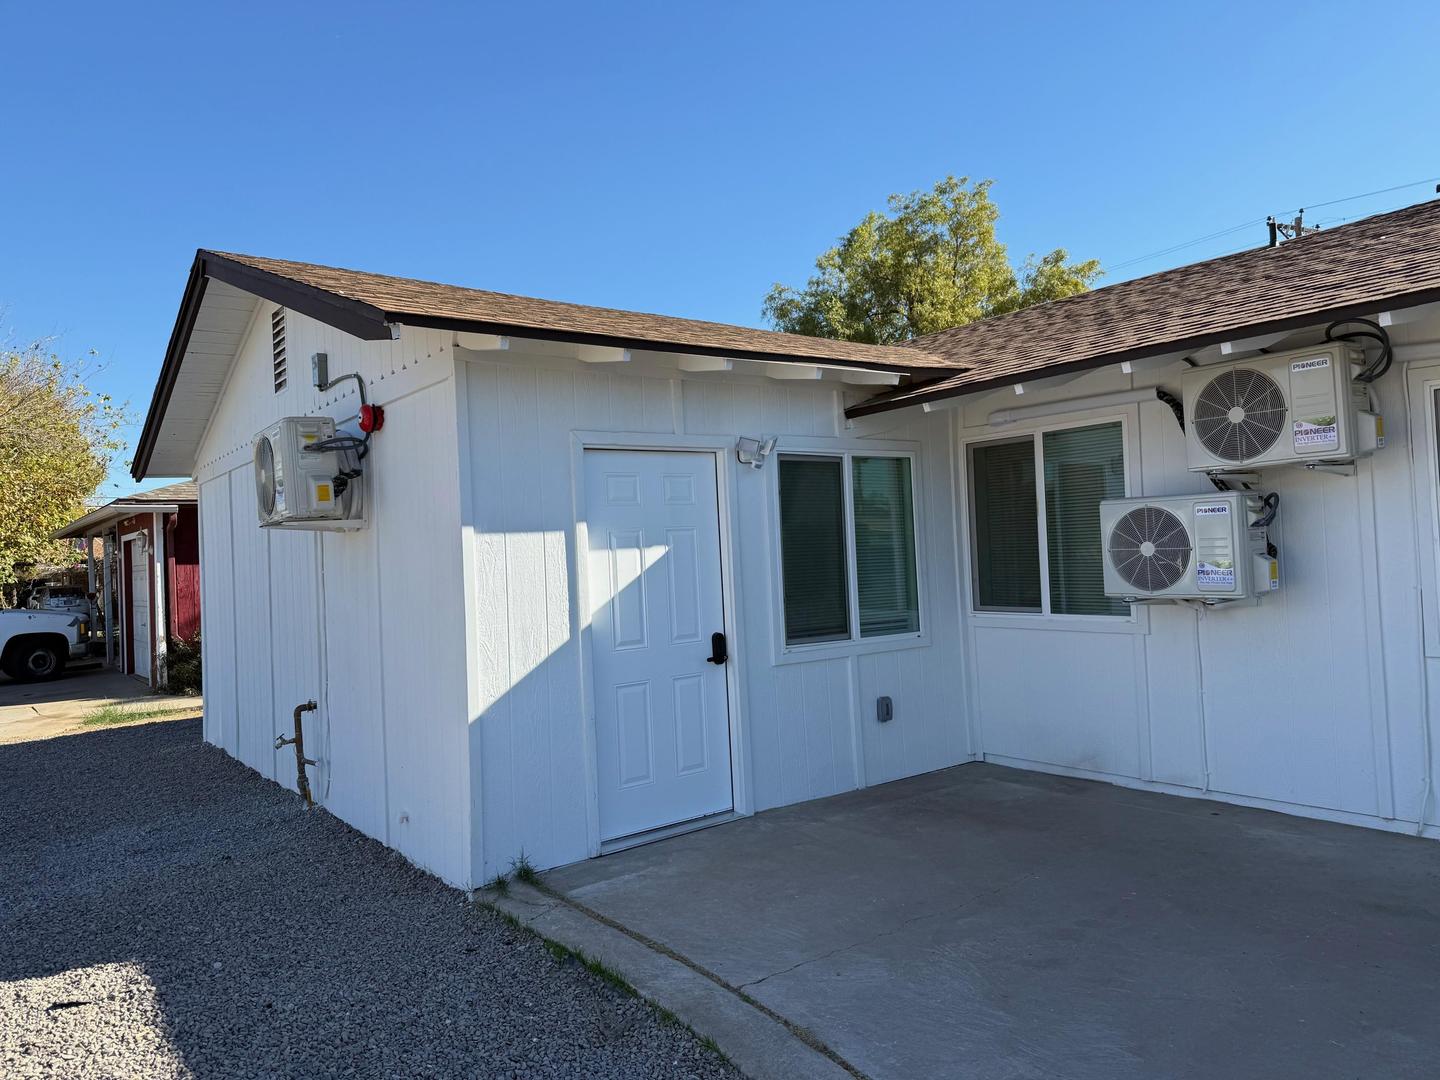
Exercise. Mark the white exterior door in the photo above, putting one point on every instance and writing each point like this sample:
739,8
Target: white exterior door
662,717
140,607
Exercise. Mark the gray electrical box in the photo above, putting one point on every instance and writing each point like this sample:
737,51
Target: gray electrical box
884,710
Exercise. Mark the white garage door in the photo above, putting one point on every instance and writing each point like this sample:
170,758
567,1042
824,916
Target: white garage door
661,706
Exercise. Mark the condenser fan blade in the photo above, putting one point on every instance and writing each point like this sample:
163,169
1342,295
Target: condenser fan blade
1150,548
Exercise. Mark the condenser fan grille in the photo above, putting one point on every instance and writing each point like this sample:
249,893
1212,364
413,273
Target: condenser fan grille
1239,414
1150,548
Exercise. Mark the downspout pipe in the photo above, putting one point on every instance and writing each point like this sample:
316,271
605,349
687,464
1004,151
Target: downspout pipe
302,782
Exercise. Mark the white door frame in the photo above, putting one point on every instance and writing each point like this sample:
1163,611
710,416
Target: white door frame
127,610
159,617
720,448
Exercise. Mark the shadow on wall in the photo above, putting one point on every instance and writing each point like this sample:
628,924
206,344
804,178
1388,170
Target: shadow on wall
531,753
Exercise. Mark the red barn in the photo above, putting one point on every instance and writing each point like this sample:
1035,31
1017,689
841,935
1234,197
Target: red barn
149,594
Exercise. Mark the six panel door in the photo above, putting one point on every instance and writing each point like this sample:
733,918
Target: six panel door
661,707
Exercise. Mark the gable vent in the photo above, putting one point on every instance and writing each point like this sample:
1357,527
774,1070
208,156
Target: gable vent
277,347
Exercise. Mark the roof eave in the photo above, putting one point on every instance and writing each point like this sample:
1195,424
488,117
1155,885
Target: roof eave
170,367
905,398
93,523
352,316
653,344
370,323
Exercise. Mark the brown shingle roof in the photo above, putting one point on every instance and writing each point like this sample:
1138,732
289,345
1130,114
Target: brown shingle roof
1389,259
421,303
185,491
101,517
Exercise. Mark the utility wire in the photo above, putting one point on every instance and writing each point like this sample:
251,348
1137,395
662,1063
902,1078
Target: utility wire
1366,195
1261,221
1188,243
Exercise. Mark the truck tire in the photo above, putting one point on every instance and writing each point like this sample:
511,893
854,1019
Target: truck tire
33,660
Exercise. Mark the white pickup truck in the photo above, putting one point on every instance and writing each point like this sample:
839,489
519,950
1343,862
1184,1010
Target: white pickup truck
35,645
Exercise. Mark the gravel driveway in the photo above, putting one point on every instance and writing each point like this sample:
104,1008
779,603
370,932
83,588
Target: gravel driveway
166,912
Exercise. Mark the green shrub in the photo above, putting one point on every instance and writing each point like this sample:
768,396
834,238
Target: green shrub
182,665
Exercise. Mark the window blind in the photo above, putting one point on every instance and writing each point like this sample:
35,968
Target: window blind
885,546
812,549
1006,526
1082,466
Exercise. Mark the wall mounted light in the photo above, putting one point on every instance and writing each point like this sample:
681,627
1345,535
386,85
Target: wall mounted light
753,452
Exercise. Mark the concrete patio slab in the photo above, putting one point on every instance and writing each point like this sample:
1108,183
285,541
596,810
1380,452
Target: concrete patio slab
986,922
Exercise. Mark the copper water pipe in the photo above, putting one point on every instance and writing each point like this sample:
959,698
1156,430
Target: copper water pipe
302,782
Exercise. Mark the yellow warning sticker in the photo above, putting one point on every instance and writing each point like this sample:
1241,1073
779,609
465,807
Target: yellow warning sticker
322,493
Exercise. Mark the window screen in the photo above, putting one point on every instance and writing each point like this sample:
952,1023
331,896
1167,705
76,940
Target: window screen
885,546
1006,526
812,549
1082,466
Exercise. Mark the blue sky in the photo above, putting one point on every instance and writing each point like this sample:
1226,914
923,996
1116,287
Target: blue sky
668,157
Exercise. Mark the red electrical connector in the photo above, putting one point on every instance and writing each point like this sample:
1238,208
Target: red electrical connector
372,418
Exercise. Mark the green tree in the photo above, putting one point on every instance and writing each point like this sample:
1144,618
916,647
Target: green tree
930,263
57,439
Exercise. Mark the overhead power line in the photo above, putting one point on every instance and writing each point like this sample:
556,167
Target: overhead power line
1256,222
1189,243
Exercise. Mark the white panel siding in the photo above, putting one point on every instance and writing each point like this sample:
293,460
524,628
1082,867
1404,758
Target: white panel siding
1311,702
808,728
255,681
295,640
1093,725
217,587
529,740
370,623
422,652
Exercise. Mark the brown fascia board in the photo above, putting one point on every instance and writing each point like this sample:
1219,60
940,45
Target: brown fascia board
540,333
918,396
370,323
352,316
170,367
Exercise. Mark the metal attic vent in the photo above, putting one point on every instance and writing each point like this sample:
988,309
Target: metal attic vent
1239,414
277,347
1150,548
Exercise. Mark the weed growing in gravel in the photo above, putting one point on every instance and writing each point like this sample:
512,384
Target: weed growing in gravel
566,955
109,715
597,968
511,920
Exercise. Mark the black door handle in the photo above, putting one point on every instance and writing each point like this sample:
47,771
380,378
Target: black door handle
718,655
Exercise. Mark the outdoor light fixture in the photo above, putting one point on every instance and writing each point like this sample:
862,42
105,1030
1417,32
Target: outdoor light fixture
753,452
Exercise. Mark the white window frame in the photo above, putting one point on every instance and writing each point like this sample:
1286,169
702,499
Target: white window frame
1136,621
786,653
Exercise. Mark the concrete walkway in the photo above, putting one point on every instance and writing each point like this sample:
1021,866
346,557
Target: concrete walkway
45,709
986,923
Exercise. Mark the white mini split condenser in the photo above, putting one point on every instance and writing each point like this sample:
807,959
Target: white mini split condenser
1187,547
1298,407
296,487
